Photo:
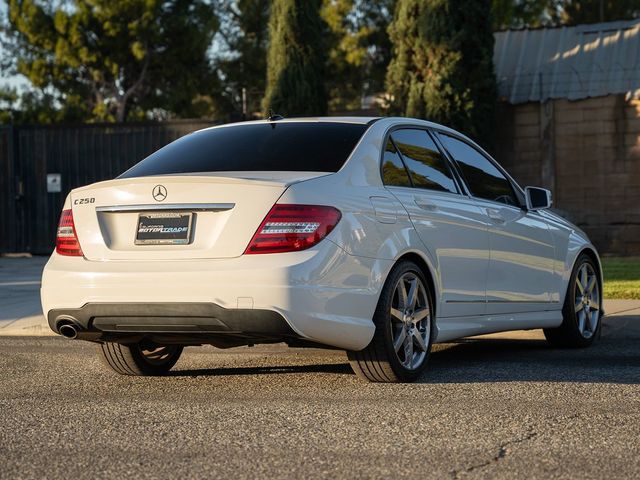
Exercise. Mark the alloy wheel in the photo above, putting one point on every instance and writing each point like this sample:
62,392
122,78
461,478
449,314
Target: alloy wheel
410,321
158,355
587,300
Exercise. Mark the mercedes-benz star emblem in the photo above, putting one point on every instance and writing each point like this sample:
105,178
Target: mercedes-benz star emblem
159,193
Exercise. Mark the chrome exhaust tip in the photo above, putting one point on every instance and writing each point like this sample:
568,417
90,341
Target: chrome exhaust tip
68,330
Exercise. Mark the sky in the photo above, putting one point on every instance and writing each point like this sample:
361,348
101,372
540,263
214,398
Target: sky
15,81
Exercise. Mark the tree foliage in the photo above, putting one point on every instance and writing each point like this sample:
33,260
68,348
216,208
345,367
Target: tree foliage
99,60
591,11
296,59
114,60
243,63
359,51
537,13
525,13
442,68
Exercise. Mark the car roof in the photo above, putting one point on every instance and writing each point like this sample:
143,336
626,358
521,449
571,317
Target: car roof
384,121
356,120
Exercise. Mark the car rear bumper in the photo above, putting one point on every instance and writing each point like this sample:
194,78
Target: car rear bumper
173,323
322,295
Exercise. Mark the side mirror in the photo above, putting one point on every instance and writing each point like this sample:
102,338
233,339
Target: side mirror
537,198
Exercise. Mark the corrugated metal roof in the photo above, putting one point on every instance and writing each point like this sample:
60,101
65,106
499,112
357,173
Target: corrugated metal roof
568,62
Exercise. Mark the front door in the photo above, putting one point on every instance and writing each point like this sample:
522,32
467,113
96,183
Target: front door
521,270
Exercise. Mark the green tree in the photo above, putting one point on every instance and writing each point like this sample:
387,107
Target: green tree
360,49
107,60
442,68
525,13
592,11
243,61
8,98
296,59
536,13
31,106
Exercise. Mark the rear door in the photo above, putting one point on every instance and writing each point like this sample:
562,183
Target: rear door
521,270
451,226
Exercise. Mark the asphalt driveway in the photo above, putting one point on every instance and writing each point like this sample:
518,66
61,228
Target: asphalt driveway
504,406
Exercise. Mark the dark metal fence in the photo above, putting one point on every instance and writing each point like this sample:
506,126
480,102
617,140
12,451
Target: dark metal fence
81,155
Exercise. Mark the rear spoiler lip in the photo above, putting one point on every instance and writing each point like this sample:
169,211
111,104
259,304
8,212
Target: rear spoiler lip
205,177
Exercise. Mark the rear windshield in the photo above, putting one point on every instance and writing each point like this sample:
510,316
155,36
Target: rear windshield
299,147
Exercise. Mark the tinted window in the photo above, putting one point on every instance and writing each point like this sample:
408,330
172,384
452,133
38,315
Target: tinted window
482,177
393,171
427,167
303,146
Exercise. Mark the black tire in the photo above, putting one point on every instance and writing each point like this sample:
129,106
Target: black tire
379,362
569,334
139,360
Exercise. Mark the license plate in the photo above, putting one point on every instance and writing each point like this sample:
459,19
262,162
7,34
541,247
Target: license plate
164,228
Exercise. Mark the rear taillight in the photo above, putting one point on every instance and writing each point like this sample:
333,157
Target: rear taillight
66,239
290,228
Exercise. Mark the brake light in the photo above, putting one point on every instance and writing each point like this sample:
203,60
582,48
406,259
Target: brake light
66,239
291,228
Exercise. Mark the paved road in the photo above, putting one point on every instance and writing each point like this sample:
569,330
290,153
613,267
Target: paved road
490,408
20,311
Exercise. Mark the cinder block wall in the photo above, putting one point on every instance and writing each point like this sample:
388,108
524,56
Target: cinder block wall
588,153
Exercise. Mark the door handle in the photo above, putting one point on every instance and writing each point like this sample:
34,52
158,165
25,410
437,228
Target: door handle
495,216
425,205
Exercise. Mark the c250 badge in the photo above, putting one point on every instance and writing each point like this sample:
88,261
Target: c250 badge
83,201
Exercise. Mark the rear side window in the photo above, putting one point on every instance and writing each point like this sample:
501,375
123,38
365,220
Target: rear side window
286,146
426,165
482,177
393,171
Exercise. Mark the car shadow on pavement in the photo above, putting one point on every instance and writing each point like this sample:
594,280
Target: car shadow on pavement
335,368
520,360
480,360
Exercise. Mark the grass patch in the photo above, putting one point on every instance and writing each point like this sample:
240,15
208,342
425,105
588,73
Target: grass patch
621,277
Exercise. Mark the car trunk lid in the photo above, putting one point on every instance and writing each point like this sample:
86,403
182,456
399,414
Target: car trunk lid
119,219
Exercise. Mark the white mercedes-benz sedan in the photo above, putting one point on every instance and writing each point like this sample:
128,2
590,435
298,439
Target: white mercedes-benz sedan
379,236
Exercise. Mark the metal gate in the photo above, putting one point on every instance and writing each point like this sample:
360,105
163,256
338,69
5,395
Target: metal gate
39,165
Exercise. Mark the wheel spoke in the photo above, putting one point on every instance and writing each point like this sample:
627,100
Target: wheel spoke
594,305
396,313
421,314
581,320
413,294
403,294
583,276
579,306
593,321
158,355
400,339
591,284
155,354
417,335
580,287
408,351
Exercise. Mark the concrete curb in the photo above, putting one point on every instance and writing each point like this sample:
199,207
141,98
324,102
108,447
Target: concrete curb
35,326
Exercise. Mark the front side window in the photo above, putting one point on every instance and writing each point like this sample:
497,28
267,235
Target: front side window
482,177
427,167
393,171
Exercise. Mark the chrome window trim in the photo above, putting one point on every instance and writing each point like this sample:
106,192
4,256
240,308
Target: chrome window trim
191,207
